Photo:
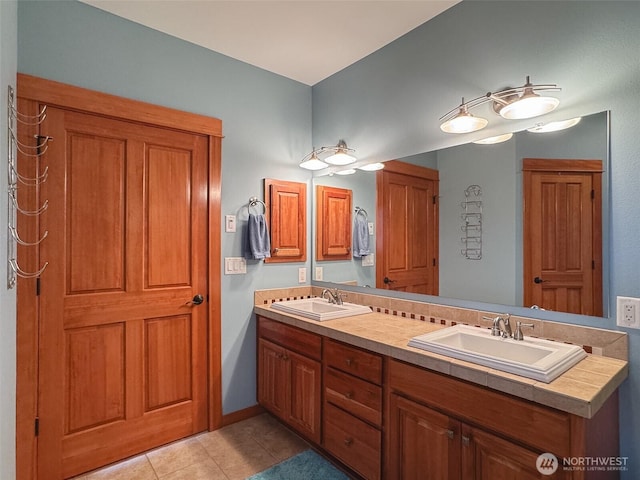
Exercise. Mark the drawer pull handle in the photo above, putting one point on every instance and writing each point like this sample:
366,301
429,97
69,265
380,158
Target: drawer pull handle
466,440
348,395
348,442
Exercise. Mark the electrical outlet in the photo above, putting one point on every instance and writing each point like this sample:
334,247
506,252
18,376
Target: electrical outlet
302,275
319,273
628,312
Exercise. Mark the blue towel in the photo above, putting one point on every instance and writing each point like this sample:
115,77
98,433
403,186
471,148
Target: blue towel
258,237
360,237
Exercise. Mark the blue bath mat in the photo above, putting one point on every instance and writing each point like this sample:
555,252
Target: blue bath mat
307,465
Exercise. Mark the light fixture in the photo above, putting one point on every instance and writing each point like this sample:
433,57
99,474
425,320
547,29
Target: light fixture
462,121
338,155
372,167
510,103
346,171
313,162
494,140
554,126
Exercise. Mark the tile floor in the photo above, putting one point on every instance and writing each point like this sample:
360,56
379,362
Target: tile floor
233,452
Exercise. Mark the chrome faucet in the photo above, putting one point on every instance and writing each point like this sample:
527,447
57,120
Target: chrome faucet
517,335
503,331
334,297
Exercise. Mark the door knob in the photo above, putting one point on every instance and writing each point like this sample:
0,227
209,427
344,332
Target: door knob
196,300
538,280
387,280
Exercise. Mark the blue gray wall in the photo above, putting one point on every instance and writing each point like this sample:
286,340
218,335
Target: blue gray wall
590,49
8,56
266,123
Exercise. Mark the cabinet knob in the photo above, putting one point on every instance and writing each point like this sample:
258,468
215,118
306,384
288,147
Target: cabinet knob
348,395
349,361
450,434
348,442
466,440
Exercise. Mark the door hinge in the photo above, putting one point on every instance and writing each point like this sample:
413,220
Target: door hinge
36,426
593,264
593,194
435,199
434,262
38,287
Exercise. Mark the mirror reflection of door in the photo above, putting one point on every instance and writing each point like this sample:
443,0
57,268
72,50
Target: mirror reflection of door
407,217
563,235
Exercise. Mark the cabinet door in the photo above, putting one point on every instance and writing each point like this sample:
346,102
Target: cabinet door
287,217
272,378
422,444
304,410
488,457
333,223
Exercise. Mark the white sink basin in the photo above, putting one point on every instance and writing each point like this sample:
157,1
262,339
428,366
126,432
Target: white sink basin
320,309
533,358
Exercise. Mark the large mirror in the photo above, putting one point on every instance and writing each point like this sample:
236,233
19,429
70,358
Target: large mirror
497,277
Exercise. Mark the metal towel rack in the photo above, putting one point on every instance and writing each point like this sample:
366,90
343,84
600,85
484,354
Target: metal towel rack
472,227
253,201
361,211
17,180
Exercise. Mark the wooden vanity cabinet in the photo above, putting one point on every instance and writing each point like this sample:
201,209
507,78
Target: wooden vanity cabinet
442,428
352,411
289,376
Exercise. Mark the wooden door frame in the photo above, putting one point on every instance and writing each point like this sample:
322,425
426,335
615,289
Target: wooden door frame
396,166
32,91
550,165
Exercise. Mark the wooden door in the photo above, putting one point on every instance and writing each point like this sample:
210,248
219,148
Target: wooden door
333,223
286,205
123,348
273,378
423,444
304,394
407,217
488,457
563,235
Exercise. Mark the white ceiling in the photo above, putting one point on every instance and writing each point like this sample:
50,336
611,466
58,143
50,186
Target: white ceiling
304,40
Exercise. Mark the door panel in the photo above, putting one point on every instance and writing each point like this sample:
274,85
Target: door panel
407,247
115,304
562,237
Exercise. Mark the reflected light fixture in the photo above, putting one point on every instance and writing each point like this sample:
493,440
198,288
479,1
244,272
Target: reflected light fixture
346,171
554,126
372,167
338,154
494,140
510,103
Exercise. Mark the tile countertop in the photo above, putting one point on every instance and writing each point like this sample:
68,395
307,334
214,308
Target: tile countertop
581,390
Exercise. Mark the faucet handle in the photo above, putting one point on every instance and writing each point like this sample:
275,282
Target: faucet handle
495,328
518,333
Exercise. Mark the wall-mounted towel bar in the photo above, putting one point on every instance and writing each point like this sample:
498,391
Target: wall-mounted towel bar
362,211
253,201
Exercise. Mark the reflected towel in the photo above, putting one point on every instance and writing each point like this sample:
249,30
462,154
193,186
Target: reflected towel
360,237
258,237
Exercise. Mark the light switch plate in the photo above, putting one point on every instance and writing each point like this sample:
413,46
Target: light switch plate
302,275
319,274
235,266
370,226
229,223
368,260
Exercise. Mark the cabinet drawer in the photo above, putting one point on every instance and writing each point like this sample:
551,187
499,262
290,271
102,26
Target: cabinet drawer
352,441
354,361
301,341
362,399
